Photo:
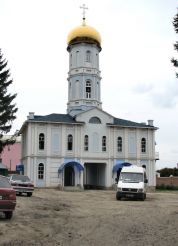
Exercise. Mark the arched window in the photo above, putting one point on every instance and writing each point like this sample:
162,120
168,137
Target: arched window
70,142
119,144
88,89
41,171
104,143
86,143
143,145
41,141
95,120
88,56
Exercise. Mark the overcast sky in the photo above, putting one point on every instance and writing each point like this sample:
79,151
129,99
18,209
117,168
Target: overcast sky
138,80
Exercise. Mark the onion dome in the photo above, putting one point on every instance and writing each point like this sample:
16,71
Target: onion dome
84,33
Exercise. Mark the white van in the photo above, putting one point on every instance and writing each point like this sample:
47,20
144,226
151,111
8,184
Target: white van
132,183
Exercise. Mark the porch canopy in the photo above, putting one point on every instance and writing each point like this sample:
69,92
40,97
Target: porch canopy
120,164
71,164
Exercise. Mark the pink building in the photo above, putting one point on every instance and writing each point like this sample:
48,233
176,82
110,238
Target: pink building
11,155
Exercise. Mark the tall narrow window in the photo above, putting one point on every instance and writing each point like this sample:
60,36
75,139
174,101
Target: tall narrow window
77,89
119,144
88,56
41,141
77,58
41,171
104,143
143,145
70,142
97,62
88,89
86,143
71,60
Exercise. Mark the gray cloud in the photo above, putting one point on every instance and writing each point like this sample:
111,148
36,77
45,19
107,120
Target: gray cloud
164,96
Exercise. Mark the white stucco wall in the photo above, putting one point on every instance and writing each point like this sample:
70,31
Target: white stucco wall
55,151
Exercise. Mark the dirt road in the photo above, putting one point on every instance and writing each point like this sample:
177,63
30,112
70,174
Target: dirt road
91,218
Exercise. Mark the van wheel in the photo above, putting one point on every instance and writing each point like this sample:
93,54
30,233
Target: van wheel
29,194
143,197
8,215
118,197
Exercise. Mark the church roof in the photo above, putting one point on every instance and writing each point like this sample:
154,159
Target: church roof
60,118
128,123
68,119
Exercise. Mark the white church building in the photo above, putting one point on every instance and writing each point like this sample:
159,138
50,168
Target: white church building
86,147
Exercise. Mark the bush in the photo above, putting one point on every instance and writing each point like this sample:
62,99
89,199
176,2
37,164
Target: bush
166,187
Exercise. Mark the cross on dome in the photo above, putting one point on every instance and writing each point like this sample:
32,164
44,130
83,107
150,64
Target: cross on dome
84,8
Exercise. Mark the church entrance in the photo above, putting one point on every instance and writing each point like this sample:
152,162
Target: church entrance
69,176
94,175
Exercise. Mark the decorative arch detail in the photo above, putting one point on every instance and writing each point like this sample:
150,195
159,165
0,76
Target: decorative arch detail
95,120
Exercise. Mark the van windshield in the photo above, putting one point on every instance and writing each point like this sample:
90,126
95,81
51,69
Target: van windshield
131,177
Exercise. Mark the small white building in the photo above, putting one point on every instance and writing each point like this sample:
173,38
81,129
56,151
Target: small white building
87,146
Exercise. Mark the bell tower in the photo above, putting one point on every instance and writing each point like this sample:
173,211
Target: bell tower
84,46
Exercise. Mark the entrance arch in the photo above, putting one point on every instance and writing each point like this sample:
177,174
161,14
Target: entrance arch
69,176
70,173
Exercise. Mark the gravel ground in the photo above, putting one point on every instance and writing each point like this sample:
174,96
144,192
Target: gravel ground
91,218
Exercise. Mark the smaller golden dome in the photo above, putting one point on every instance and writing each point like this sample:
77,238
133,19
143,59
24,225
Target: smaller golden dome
84,31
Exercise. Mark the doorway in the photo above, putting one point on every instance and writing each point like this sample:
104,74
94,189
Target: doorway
69,176
94,175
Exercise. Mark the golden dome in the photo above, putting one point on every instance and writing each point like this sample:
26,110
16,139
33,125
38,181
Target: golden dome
84,31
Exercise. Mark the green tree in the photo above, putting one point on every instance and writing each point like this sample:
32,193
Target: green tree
175,24
7,108
166,172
